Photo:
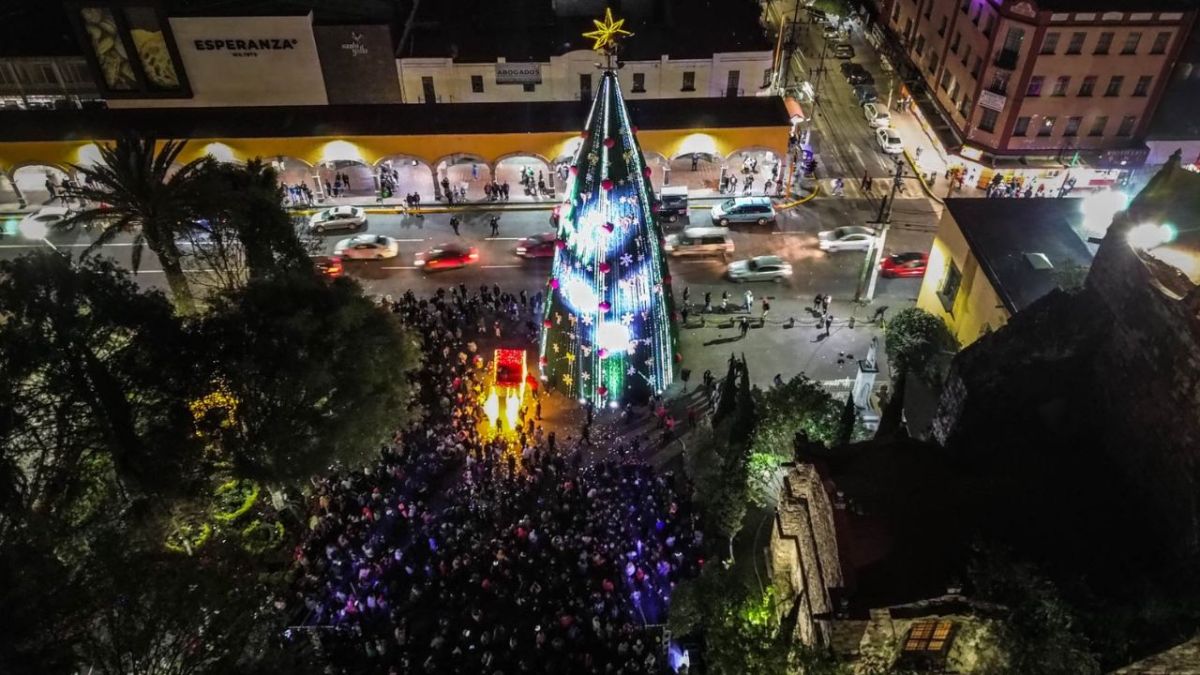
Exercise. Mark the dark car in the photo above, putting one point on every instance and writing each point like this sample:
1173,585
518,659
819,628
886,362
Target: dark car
446,256
850,69
329,266
538,246
860,77
843,50
904,265
865,94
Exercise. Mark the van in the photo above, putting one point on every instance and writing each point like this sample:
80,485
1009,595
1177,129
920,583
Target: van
757,210
672,203
699,241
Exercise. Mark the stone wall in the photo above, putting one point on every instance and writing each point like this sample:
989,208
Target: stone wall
803,561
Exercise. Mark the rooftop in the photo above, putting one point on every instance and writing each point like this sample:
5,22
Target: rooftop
380,120
1007,235
680,29
1172,197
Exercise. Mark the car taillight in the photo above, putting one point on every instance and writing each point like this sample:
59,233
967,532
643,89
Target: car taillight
520,249
473,255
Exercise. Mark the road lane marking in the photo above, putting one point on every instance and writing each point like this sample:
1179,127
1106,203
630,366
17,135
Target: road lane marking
496,267
503,238
57,246
399,267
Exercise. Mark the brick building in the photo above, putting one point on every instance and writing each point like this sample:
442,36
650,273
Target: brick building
1043,79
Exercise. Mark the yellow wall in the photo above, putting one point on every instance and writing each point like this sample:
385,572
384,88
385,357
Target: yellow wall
429,148
977,308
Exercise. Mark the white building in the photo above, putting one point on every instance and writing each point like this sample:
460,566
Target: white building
572,75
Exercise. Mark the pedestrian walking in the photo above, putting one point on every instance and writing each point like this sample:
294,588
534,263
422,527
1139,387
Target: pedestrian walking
744,326
687,292
724,301
454,225
766,309
684,313
825,303
494,221
695,161
817,300
863,183
828,324
749,300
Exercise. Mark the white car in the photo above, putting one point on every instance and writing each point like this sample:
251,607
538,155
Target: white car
44,220
367,247
889,141
760,268
850,238
338,218
877,116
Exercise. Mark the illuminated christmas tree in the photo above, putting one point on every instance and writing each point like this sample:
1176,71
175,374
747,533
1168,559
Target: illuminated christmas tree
608,334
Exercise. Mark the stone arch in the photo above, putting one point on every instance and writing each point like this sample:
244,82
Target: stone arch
508,168
29,179
9,195
463,170
766,162
409,174
297,177
361,178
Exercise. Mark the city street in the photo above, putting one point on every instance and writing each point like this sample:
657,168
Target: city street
778,349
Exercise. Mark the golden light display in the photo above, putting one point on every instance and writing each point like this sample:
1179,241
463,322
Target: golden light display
607,32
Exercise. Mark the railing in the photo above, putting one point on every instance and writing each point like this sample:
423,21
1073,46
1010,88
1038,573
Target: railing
1006,59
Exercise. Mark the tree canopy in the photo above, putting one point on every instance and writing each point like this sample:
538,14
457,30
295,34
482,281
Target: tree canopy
918,343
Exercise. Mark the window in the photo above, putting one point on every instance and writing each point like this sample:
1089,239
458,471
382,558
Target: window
966,6
1114,86
1035,86
639,83
766,78
929,9
949,290
1131,43
999,83
585,86
954,87
988,121
929,636
1103,44
1073,126
732,82
896,13
1076,44
1098,126
1060,85
978,12
1013,40
1089,84
942,29
978,67
1047,126
427,89
964,108
954,43
476,84
933,62
529,87
989,25
1160,43
966,55
920,45
945,83
1049,43
1143,85
1022,126
689,80
1126,127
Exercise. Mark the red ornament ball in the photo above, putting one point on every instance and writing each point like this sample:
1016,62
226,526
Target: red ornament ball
575,170
554,283
667,279
678,357
602,390
610,227
634,129
604,305
646,172
547,324
561,243
583,134
543,360
602,352
609,142
605,268
607,184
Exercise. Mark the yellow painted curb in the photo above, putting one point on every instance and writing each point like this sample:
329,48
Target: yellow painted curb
798,202
921,177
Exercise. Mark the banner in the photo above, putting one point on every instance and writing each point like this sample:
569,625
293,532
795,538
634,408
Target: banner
358,64
518,73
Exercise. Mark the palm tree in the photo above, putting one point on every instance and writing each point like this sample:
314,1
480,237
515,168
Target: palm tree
129,190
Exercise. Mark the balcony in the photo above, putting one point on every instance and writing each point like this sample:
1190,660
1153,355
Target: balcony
998,88
1006,59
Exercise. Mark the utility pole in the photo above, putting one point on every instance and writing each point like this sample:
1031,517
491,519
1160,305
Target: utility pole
875,253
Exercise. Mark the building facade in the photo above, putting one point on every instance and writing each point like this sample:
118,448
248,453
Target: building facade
1016,78
572,76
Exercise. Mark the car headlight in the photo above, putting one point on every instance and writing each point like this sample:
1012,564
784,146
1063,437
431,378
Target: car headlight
520,249
418,263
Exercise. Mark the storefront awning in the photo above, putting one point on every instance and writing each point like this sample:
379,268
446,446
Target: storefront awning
794,111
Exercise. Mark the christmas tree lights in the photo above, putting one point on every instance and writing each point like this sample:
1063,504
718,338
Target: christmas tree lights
608,334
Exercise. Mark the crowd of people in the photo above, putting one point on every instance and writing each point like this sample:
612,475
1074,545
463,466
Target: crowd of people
464,550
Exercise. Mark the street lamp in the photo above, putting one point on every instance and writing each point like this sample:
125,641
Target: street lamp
34,229
1099,210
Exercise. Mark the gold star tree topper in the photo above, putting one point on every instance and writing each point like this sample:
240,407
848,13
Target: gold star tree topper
607,32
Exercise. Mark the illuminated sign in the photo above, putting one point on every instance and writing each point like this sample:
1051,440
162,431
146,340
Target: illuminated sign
971,153
518,73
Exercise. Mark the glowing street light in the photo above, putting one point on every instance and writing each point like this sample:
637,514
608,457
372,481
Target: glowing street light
1151,235
1100,208
35,230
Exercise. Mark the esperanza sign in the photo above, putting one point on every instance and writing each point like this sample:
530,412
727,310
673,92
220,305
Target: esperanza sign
246,47
518,73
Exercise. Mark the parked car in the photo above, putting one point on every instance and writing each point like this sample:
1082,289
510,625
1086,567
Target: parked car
46,218
849,238
865,94
672,203
904,265
843,50
760,268
367,247
848,67
538,246
889,141
877,116
757,210
329,266
446,256
699,241
338,218
831,32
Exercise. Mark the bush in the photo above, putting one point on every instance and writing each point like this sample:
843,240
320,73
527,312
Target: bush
918,343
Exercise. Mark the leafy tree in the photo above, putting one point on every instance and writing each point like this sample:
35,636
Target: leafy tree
316,372
727,400
91,377
918,343
847,421
256,217
1038,630
132,190
800,405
